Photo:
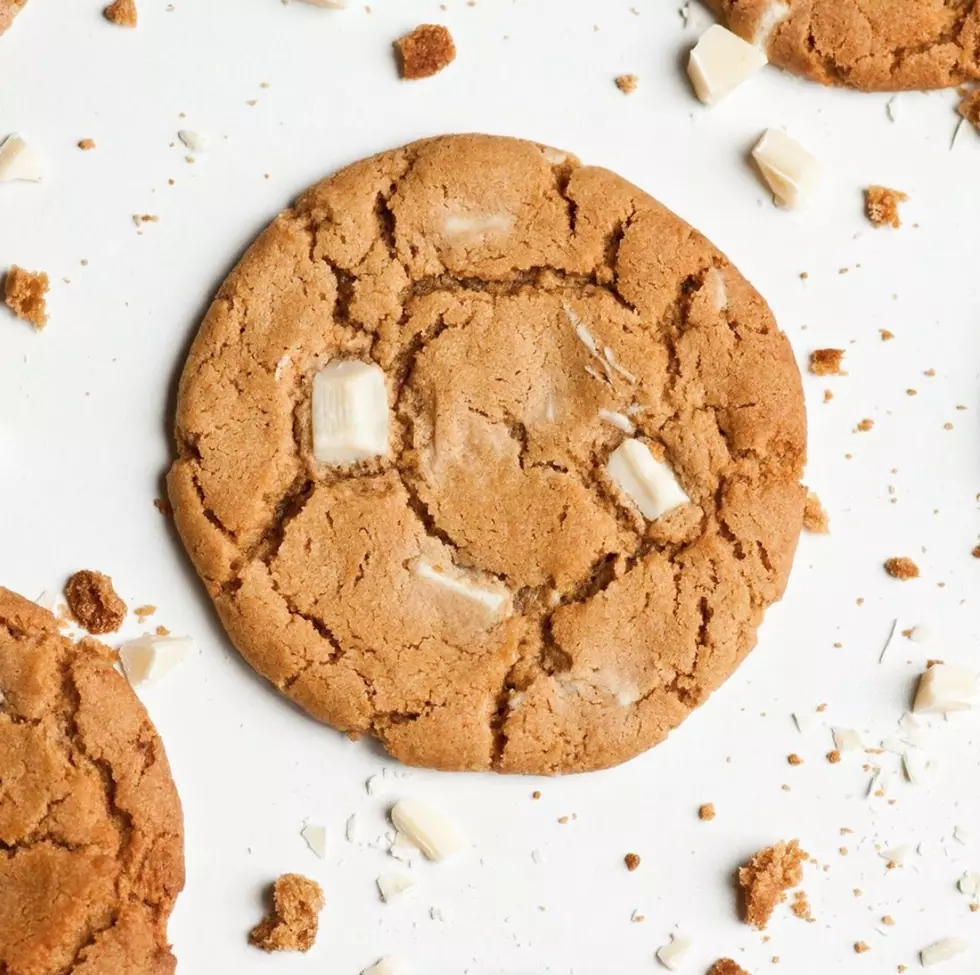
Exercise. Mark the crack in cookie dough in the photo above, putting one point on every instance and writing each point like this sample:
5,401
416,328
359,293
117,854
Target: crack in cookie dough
514,300
91,836
873,45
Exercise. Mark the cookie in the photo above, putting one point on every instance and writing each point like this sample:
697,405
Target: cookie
864,44
91,835
533,360
8,10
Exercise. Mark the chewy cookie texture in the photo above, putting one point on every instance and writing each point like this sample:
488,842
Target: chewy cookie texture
487,454
90,822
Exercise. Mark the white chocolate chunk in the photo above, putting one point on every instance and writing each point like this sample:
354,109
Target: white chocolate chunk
896,855
943,950
720,62
48,600
646,481
429,830
920,634
944,688
717,292
554,157
475,586
390,965
18,160
847,740
149,658
770,18
458,225
392,885
962,835
805,723
790,171
316,838
969,884
624,423
672,955
193,140
350,413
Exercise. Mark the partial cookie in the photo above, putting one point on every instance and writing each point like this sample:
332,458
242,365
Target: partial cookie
90,821
865,44
489,455
8,10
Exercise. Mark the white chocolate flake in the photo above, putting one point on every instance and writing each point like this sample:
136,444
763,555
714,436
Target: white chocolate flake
720,62
919,769
623,423
350,413
969,884
672,955
646,481
191,139
392,885
316,838
150,658
790,171
847,740
389,965
19,161
717,292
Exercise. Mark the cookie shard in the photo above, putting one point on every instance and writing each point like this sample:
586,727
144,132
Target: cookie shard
614,627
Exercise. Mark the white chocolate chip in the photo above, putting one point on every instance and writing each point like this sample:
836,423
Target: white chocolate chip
392,885
282,365
403,849
770,18
350,413
376,785
478,587
646,481
193,140
537,857
624,423
943,950
18,160
149,658
717,292
429,830
789,170
390,965
847,740
474,228
720,62
316,838
554,157
944,688
672,955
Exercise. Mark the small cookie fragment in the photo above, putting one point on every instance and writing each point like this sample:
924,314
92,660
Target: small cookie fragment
902,568
24,293
881,206
725,966
766,878
632,861
122,13
826,362
425,51
815,519
707,812
94,602
86,145
292,926
969,107
627,83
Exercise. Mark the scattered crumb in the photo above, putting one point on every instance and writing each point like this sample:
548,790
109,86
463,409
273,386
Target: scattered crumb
969,107
794,759
24,293
827,395
536,794
86,145
140,218
815,519
627,83
902,568
801,906
886,336
162,631
833,757
976,552
144,612
888,920
425,51
122,13
865,425
632,861
766,878
861,947
726,966
707,812
292,925
563,820
94,602
826,362
881,205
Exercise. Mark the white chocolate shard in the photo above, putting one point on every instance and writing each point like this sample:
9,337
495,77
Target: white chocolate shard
847,740
717,292
921,633
944,950
790,171
969,884
316,838
646,481
805,723
554,157
896,855
390,965
475,586
919,769
403,849
770,18
392,885
944,688
672,955
474,228
149,658
350,413
191,139
720,62
376,785
18,160
623,423
962,835
435,835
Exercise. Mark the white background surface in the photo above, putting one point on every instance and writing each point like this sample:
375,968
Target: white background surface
85,412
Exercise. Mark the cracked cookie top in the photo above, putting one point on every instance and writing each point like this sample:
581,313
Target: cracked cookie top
873,45
91,834
536,516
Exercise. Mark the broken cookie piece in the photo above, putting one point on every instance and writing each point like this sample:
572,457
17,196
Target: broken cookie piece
815,519
766,878
292,925
969,107
902,568
881,206
425,51
94,602
24,293
826,362
649,483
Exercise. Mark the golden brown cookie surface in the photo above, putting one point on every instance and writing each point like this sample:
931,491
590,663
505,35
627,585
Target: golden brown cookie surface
873,45
529,315
8,10
91,835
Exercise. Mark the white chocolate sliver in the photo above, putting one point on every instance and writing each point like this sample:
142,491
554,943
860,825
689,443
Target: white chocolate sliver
672,955
18,160
391,885
457,225
489,593
191,139
720,62
920,634
429,830
390,965
944,688
774,14
789,170
962,835
919,770
847,740
350,413
943,950
316,838
376,785
897,855
624,423
805,723
648,482
149,658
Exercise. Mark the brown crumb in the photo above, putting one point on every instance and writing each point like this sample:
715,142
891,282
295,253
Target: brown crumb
886,336
827,395
725,966
888,920
903,968
563,820
815,519
632,861
536,794
24,293
826,362
969,107
86,145
865,425
121,12
766,878
94,602
881,205
707,812
902,568
976,552
292,925
627,83
425,51
794,759
860,947
144,612
801,906
833,757
162,631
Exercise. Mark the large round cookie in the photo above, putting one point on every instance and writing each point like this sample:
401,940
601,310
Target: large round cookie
874,45
91,836
483,595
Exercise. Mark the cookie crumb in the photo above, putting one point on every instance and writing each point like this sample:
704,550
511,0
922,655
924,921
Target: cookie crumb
163,506
976,552
142,613
902,568
815,519
707,812
94,602
425,51
865,425
826,362
627,83
886,335
632,861
24,293
122,13
888,921
969,107
794,759
801,906
860,947
293,923
536,794
766,878
881,206
833,757
725,966
86,145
